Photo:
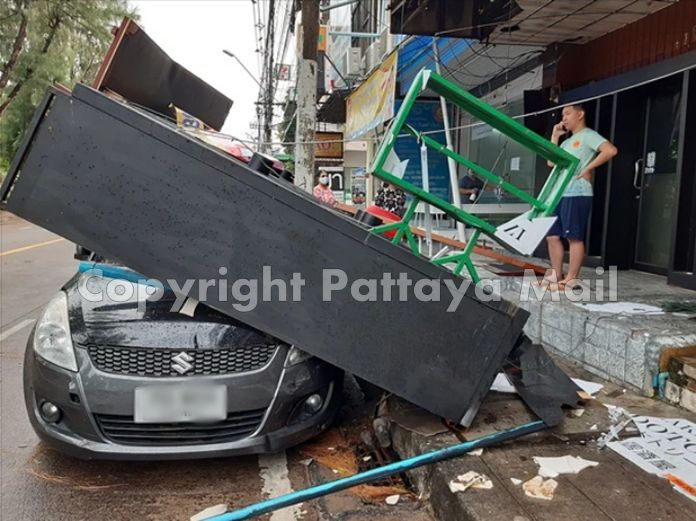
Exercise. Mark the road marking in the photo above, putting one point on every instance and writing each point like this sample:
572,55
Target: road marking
30,247
274,473
17,327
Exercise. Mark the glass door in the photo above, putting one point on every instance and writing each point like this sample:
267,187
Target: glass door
655,178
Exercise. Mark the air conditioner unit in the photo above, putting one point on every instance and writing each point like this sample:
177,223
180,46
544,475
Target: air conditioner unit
351,65
374,56
384,40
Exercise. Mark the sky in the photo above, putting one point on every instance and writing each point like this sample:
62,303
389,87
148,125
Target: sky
194,33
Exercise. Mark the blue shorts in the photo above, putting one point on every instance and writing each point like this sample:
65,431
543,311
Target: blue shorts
573,215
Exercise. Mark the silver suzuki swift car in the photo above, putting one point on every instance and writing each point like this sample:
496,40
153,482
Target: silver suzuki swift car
115,380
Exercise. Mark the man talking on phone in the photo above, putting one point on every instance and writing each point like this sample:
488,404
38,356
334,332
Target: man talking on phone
573,211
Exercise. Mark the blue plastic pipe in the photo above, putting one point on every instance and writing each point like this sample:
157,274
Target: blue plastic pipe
300,496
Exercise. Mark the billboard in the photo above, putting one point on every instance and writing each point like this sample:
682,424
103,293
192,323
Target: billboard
373,102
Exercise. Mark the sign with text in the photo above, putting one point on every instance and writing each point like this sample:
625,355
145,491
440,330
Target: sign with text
329,145
373,102
425,116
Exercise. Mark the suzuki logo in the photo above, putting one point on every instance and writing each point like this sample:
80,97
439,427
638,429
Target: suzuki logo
181,362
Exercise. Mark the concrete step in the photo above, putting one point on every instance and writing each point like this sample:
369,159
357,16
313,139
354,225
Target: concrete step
614,490
622,348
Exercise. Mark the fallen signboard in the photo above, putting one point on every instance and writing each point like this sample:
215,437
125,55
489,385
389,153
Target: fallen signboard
132,187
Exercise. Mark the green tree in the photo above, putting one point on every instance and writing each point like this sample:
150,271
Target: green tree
44,42
287,127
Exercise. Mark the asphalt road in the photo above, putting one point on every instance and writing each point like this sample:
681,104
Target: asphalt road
37,483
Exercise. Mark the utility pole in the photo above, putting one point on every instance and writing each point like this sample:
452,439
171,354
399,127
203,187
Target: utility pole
307,96
270,74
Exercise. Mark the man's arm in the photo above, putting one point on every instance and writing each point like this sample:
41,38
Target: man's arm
558,131
607,151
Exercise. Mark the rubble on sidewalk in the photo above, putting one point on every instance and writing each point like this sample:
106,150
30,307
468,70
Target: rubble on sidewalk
540,488
553,467
471,479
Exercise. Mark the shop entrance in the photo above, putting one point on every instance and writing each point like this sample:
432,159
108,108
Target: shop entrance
655,176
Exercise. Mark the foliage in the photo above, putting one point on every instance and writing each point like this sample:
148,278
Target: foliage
44,42
287,127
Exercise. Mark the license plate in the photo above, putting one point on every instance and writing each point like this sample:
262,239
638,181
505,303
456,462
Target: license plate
178,404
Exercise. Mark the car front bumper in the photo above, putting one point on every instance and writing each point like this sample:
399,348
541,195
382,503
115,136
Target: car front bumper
275,390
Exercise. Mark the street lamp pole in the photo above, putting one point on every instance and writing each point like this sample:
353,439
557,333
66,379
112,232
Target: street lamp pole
258,107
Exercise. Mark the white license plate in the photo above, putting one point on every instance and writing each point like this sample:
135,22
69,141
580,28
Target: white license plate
178,403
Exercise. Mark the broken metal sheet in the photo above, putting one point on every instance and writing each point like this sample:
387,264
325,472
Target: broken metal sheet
666,447
543,386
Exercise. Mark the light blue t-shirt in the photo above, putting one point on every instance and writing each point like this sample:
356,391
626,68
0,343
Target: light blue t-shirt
584,145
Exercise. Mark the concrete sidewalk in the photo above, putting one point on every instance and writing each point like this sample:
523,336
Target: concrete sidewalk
614,490
622,347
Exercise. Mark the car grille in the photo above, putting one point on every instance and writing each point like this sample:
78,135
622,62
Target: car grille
160,362
123,430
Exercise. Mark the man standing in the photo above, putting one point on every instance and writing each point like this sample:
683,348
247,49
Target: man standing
573,211
470,186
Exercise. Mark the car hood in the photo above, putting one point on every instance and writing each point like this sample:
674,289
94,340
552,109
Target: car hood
151,324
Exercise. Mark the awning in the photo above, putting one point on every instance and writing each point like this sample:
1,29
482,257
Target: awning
417,53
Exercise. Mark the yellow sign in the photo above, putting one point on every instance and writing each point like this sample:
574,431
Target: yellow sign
373,102
329,145
323,38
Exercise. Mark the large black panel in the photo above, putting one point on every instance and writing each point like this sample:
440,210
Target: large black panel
132,188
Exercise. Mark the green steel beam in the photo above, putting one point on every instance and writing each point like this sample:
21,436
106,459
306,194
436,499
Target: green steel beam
543,205
482,172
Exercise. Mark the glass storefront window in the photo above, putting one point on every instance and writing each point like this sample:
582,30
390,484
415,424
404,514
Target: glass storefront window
504,157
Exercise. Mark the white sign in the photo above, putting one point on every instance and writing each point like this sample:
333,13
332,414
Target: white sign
666,447
522,234
515,164
480,131
650,160
284,72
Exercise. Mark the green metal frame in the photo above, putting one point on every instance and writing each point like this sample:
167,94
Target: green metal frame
544,205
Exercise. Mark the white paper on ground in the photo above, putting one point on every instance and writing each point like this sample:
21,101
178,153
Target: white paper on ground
392,500
626,308
503,385
554,467
539,488
666,445
516,481
471,479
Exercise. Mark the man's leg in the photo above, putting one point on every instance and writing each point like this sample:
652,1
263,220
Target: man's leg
555,247
577,255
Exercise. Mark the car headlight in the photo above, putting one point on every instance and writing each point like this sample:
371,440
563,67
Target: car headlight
296,356
52,340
